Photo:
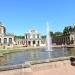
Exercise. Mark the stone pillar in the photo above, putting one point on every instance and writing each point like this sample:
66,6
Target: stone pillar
13,41
39,42
2,40
18,42
36,36
2,31
31,43
7,40
36,42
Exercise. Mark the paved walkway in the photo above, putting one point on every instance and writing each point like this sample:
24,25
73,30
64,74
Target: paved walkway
26,71
64,70
54,68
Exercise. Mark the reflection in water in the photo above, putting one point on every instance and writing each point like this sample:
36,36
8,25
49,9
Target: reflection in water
31,55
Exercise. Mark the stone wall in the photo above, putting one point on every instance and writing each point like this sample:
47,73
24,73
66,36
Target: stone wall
29,67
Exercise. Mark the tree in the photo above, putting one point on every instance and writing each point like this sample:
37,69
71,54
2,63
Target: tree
66,31
58,34
51,33
43,37
21,37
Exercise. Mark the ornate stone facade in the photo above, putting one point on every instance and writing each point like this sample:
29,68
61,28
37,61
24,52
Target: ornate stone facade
68,39
20,40
32,38
6,39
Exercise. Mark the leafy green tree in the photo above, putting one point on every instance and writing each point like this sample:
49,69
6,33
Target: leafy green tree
43,37
58,34
66,31
51,33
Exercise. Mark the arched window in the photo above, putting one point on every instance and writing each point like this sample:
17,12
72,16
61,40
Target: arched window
10,40
38,43
34,42
37,35
29,42
5,40
0,40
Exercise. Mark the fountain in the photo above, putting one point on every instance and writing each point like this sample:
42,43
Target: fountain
48,43
48,40
23,56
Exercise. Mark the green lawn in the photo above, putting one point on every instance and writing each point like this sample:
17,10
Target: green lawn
3,51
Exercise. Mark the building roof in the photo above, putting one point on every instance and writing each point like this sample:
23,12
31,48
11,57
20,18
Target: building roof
33,31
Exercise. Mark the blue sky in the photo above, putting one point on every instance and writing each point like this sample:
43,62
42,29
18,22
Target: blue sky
19,16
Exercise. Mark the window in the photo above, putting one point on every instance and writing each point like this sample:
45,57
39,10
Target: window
18,42
33,42
72,38
26,36
33,36
29,42
22,42
38,43
10,40
5,40
37,35
0,40
4,30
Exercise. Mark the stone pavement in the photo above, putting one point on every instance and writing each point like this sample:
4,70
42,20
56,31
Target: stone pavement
26,71
68,70
52,68
63,70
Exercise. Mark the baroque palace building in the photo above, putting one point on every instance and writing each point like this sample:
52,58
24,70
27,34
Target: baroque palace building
6,39
9,40
32,38
68,39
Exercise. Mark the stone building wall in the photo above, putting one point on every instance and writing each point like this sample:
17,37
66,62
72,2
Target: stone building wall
32,38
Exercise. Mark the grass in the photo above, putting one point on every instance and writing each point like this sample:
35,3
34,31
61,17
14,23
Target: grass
4,51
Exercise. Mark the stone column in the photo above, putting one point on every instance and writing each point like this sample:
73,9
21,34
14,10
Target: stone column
36,42
2,30
39,42
13,41
2,40
36,36
31,43
7,39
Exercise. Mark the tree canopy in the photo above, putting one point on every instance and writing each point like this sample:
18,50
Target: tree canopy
68,30
53,34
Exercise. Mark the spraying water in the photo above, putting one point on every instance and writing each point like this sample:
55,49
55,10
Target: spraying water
48,39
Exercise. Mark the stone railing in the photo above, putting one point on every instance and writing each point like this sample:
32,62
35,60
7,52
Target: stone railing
31,63
12,67
49,60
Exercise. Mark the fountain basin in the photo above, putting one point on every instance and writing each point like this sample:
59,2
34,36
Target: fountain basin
31,63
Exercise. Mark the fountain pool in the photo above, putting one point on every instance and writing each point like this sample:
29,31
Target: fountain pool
35,54
32,55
